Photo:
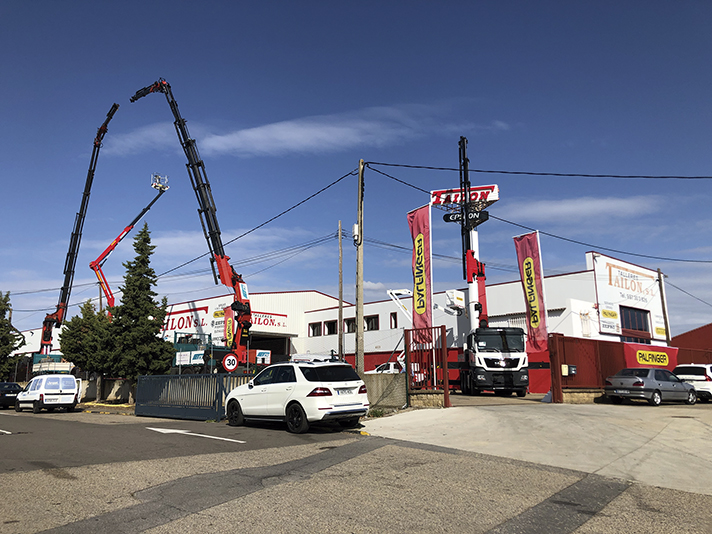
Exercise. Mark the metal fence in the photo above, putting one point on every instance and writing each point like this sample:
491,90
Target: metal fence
426,358
199,397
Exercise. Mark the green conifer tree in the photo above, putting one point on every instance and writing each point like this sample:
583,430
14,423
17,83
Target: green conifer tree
137,348
86,341
10,338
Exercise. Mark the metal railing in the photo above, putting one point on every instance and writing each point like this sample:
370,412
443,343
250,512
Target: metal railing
199,397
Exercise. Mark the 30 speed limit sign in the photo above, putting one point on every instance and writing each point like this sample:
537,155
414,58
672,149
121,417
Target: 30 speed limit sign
230,363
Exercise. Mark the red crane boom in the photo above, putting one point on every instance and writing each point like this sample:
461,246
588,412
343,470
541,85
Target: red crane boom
238,317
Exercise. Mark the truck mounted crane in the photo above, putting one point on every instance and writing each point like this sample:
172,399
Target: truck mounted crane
55,320
157,182
238,316
494,358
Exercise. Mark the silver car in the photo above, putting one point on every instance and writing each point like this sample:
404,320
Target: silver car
652,384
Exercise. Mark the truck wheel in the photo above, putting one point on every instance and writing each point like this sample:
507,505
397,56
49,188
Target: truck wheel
36,407
71,407
17,406
521,393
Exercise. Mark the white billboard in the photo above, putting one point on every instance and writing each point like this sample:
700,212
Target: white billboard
207,316
621,284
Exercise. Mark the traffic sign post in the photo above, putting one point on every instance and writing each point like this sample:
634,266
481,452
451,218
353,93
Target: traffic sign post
230,362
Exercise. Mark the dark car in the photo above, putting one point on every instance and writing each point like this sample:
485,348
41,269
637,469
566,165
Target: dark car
652,384
8,393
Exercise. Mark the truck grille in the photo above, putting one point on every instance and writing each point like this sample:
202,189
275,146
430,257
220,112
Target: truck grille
509,363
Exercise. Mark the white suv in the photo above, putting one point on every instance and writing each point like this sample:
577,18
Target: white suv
698,375
299,393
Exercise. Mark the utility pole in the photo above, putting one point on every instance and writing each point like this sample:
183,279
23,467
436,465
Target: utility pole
358,242
340,328
664,305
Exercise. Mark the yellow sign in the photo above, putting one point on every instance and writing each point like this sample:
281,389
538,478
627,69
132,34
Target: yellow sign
530,293
420,295
609,314
228,331
648,357
218,313
660,331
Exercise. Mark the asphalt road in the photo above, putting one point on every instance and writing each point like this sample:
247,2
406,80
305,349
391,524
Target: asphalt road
83,472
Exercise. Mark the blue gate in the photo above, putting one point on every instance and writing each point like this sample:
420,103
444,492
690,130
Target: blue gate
198,397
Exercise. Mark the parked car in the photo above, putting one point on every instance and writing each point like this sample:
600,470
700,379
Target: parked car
299,393
388,368
49,392
8,393
652,384
699,375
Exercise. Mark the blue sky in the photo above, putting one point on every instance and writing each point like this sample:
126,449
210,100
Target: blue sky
284,98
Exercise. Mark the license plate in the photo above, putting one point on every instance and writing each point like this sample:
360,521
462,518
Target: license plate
11,394
622,391
344,391
49,400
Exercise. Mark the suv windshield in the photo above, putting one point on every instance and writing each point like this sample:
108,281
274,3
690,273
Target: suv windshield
329,373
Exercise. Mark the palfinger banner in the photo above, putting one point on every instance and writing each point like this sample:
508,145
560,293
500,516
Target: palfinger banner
531,272
419,224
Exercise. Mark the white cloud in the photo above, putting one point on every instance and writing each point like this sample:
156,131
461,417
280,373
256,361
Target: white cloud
369,127
581,209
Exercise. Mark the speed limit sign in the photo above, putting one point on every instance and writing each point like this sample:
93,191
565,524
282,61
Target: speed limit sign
230,363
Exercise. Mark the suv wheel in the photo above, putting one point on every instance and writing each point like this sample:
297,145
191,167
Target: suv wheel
352,422
36,407
296,419
17,406
234,414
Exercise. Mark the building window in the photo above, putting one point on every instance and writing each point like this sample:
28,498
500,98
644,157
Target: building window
394,320
371,323
314,329
330,328
350,326
635,325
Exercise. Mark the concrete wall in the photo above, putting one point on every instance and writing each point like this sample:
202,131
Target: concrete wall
387,391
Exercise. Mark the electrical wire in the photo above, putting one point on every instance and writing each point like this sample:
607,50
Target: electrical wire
560,174
352,173
548,234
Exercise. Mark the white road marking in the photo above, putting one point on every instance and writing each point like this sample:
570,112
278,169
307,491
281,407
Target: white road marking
5,432
189,433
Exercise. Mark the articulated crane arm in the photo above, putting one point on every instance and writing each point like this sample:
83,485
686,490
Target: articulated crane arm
238,317
157,182
55,320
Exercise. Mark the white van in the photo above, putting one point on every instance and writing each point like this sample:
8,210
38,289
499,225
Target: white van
50,392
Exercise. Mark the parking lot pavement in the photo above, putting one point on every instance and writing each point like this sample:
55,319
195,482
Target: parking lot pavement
666,446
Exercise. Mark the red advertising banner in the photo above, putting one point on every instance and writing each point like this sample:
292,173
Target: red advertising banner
531,271
419,224
639,355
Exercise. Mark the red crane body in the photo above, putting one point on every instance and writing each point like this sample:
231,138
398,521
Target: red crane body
55,320
238,316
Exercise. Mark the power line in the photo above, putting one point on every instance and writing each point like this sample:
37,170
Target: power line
688,294
649,256
561,174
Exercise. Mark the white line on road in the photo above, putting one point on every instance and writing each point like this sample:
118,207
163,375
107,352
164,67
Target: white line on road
5,432
189,433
